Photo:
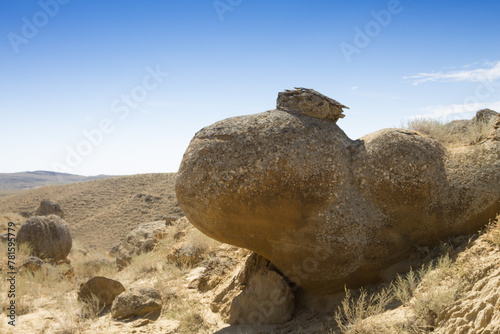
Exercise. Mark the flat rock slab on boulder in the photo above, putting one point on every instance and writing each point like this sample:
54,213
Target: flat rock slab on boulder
48,207
136,302
329,211
102,288
48,237
140,240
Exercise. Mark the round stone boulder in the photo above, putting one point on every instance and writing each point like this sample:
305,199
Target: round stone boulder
47,236
48,207
329,211
102,288
136,302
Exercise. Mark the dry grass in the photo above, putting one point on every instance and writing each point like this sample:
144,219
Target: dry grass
201,242
353,310
474,133
153,262
12,192
434,286
188,311
7,217
91,309
404,286
195,249
439,288
31,286
93,265
493,231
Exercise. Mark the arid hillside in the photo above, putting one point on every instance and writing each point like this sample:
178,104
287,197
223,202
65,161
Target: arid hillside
101,212
39,178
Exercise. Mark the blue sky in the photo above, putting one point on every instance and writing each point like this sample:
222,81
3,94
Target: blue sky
120,87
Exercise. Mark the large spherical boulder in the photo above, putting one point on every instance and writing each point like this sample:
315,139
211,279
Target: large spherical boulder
329,211
47,236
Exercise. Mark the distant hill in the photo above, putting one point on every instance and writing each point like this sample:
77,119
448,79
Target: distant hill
30,180
101,212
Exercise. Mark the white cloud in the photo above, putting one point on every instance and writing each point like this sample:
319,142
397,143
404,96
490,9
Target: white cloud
354,87
490,72
455,111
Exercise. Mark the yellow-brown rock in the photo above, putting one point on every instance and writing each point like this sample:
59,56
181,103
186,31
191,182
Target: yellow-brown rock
329,211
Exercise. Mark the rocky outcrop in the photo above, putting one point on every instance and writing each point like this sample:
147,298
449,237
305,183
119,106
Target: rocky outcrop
48,237
102,288
48,207
209,277
329,211
136,302
477,310
255,294
483,118
495,134
140,240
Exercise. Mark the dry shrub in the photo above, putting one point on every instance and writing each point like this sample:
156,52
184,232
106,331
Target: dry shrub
428,291
202,243
91,309
152,262
26,292
66,317
188,311
195,248
427,126
93,265
49,281
177,305
350,315
431,303
193,322
471,134
441,282
25,295
167,282
493,231
404,286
